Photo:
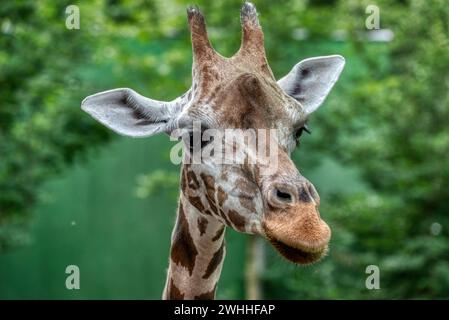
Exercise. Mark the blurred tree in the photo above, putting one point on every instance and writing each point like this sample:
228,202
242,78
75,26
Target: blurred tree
40,126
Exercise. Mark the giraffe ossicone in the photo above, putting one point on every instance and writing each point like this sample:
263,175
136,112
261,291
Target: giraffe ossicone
237,93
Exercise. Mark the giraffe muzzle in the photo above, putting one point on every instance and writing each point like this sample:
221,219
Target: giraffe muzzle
292,222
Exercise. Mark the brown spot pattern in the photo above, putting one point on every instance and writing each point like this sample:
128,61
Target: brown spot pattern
214,262
219,233
237,220
209,183
225,218
183,181
202,225
183,250
197,203
210,295
222,196
192,180
174,293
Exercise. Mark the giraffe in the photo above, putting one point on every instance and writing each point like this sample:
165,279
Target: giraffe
239,92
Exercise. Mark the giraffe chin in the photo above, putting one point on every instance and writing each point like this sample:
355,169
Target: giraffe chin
299,256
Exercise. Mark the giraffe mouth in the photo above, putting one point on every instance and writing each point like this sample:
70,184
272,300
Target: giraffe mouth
301,256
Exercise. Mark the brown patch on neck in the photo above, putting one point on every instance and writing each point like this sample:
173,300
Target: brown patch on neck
209,182
189,181
212,205
184,182
222,196
210,295
219,233
225,218
192,180
183,250
237,220
197,203
202,225
217,258
173,292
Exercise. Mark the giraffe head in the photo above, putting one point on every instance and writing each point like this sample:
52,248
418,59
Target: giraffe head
239,93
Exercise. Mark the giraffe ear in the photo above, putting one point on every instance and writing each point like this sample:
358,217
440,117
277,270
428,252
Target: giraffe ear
128,113
311,80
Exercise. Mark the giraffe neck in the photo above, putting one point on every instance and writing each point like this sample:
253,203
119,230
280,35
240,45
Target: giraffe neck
196,255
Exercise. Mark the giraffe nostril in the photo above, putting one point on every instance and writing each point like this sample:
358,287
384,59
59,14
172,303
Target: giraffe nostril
308,193
304,194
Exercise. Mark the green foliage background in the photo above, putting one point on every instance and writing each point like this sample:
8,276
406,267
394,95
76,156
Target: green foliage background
378,153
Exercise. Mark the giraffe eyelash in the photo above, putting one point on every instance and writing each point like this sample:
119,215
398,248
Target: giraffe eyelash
299,132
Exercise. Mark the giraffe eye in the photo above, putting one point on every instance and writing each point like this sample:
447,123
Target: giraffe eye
299,132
